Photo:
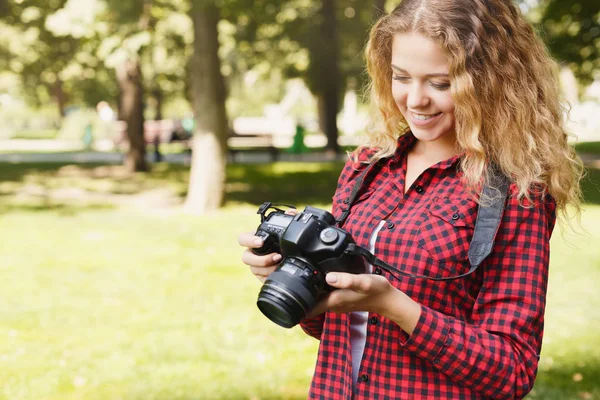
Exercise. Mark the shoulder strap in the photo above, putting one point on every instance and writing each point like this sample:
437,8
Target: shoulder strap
350,200
488,221
488,217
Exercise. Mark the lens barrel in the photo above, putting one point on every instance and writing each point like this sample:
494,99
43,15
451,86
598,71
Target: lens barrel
290,292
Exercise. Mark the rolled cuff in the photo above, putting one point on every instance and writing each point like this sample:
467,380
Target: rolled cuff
431,336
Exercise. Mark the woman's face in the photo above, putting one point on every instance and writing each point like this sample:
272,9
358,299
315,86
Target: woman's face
421,87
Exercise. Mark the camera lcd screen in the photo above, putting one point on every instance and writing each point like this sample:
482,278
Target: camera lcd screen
280,220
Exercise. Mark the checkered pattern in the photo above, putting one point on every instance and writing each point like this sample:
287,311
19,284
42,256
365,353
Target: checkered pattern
478,337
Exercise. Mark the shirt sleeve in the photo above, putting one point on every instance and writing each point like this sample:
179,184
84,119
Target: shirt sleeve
497,351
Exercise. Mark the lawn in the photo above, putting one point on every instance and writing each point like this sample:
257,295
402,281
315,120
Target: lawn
110,292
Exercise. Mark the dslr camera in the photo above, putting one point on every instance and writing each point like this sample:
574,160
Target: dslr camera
311,247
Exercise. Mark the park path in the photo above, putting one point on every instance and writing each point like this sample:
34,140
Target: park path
184,159
56,151
64,151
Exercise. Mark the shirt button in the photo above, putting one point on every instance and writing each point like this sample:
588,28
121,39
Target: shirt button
374,321
364,378
455,216
419,189
377,271
390,225
346,201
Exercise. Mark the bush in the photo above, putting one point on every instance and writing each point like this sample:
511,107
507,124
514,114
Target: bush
19,121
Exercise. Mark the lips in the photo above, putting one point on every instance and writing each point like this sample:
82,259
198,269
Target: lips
423,119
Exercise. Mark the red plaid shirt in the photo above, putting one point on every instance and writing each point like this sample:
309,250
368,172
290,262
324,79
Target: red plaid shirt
477,337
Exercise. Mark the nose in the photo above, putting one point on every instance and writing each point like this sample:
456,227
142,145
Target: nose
417,96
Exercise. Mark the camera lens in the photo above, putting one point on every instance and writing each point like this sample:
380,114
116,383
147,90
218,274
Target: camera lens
290,292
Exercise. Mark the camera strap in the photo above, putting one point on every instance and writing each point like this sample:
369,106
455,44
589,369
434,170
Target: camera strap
488,220
350,200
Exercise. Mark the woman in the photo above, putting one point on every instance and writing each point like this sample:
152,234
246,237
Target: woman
459,85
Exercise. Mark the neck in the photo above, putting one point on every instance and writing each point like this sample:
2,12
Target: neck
436,151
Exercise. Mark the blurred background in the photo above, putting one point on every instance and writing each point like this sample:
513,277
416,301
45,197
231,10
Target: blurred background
137,140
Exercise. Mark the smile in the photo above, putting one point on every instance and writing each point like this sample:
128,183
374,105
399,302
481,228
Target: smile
424,119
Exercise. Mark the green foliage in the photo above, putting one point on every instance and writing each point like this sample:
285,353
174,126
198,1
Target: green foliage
270,35
65,50
588,147
571,30
74,124
16,120
33,51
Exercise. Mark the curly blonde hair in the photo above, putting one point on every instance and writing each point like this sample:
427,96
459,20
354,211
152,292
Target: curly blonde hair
505,89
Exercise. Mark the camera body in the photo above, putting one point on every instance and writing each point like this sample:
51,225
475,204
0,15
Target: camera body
311,247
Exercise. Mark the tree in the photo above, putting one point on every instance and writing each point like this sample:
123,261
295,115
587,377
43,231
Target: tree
133,23
36,53
329,35
571,30
207,178
326,62
123,39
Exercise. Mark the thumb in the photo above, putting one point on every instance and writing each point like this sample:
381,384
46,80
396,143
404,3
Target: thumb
343,280
339,280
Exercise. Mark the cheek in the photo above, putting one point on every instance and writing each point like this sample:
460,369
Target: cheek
399,96
446,104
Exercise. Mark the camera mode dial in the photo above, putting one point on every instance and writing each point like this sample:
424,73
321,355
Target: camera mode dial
328,236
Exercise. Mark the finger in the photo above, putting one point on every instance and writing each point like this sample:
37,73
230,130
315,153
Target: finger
253,260
341,280
291,211
262,272
248,239
319,308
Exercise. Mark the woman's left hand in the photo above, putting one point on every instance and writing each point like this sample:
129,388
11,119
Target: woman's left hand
369,292
358,292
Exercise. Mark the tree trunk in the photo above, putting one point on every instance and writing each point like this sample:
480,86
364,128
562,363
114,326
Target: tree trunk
129,76
378,9
321,112
59,96
158,97
330,74
207,177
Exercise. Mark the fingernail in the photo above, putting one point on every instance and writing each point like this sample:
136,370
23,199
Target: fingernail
277,257
331,278
258,242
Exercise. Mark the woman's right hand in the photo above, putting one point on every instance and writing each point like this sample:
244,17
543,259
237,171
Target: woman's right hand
260,266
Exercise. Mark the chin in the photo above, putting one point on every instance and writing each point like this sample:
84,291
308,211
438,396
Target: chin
430,135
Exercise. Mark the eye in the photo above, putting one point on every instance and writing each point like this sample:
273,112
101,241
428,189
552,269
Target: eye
400,78
440,86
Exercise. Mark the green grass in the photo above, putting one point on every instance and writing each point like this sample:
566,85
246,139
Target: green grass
110,304
36,134
106,299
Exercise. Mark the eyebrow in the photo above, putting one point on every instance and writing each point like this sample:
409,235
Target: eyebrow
428,75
